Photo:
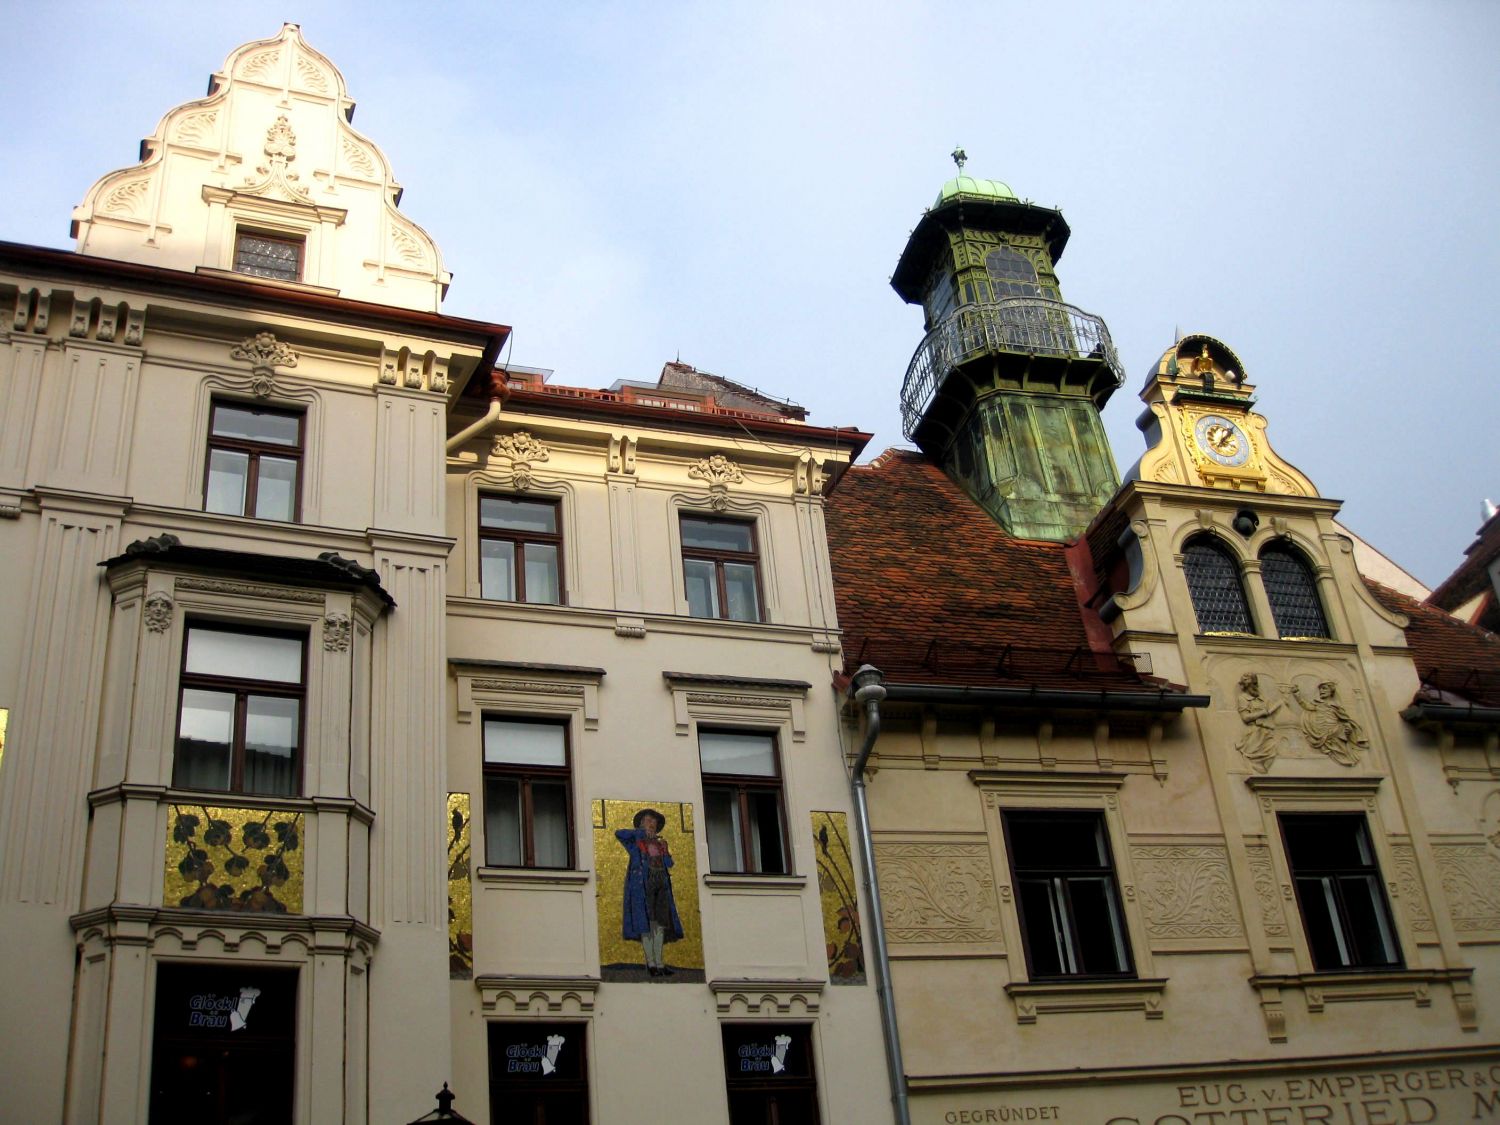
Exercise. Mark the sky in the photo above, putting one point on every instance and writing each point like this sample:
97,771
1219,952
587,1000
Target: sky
731,184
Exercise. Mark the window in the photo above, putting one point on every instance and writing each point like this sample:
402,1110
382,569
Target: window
239,728
721,568
1066,896
527,806
768,1074
742,801
520,550
539,1073
1213,579
1292,592
1344,910
268,255
254,460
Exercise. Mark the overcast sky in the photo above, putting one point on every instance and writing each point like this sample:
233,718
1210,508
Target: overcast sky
733,183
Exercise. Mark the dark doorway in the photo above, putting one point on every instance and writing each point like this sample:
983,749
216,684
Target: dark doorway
768,1074
225,1045
538,1074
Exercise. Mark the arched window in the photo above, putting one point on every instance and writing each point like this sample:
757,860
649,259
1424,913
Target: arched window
1292,592
1213,579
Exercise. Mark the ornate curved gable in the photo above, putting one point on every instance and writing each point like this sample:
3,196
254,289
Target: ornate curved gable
269,153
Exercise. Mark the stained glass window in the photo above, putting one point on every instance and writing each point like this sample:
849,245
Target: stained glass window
261,255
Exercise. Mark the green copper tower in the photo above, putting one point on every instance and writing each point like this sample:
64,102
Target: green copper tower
1005,389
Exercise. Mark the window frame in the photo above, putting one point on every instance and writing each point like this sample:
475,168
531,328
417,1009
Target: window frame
1285,548
742,785
242,232
719,558
1371,873
255,450
524,775
1214,543
242,688
1110,872
519,540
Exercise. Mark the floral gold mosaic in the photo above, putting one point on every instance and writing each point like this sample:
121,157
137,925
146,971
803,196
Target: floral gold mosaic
220,858
460,889
844,941
621,958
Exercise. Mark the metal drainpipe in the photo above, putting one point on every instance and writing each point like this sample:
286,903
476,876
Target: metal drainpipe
869,692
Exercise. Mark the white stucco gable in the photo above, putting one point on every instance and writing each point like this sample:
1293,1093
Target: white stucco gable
269,152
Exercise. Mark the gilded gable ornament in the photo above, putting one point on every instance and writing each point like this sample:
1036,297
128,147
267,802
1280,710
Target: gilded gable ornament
522,449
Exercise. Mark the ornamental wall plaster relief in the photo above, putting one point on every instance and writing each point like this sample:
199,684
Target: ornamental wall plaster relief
158,613
264,353
719,472
523,450
1185,890
1295,710
1267,893
1471,884
336,632
1408,882
938,892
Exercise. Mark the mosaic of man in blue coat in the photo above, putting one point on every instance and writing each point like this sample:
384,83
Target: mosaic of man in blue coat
649,914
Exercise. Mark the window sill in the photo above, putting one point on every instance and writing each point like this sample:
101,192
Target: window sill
767,884
1321,989
531,877
1034,998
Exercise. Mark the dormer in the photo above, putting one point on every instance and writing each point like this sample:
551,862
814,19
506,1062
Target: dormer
266,177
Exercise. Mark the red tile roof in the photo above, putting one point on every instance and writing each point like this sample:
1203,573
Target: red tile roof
1472,577
932,590
1451,657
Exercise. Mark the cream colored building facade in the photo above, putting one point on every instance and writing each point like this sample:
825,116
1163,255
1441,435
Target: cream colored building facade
258,498
1223,998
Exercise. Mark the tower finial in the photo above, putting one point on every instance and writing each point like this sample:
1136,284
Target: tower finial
960,157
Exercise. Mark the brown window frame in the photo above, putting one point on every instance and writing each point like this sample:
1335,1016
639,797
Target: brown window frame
741,785
255,450
519,540
299,241
719,558
1334,881
525,775
243,688
1063,878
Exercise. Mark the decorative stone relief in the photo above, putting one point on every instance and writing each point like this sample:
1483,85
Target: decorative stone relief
719,472
127,199
522,449
406,247
311,76
264,353
276,176
260,66
1305,710
336,632
358,160
197,128
1263,876
1409,887
1166,473
1471,884
158,613
1185,891
248,590
938,892
534,687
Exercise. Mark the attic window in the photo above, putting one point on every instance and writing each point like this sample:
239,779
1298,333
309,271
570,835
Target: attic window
265,255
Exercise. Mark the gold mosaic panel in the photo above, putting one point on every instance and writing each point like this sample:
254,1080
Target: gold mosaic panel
220,858
460,890
621,958
4,719
844,941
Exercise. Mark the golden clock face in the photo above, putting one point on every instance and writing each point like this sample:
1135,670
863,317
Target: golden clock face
1222,440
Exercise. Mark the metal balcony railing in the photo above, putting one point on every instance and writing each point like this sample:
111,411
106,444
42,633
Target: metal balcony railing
1024,325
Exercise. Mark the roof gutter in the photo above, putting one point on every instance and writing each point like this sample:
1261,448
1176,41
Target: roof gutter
1160,701
1451,713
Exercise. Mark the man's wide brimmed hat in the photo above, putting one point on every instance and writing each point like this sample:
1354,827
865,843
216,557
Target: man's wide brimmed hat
661,821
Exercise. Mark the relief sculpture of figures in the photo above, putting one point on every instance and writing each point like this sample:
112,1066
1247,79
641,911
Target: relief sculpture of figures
1259,744
1328,727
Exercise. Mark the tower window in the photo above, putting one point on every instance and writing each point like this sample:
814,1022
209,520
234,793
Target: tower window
1292,592
265,255
1213,580
1011,273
